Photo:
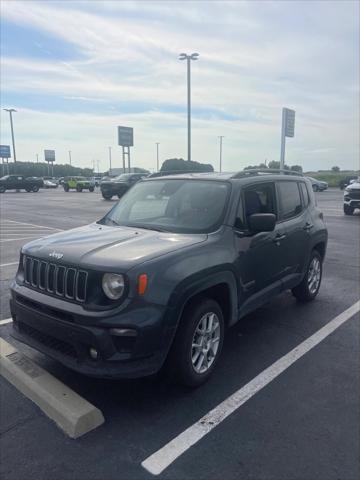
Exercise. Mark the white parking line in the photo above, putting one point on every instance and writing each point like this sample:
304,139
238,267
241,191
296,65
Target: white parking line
8,264
34,225
5,321
160,460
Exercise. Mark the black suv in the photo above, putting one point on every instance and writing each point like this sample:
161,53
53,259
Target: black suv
120,185
160,278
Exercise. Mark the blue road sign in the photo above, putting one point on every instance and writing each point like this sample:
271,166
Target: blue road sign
5,151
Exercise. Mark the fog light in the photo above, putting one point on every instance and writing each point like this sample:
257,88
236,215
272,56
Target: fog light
94,354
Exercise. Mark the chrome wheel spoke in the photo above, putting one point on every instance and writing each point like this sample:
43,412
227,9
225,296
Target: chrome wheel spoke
205,342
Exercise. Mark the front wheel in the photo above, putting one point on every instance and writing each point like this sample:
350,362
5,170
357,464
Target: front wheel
2,189
35,188
310,285
66,188
106,197
315,188
348,210
198,342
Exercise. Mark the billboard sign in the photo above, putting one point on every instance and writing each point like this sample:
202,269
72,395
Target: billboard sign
49,155
125,136
289,122
5,151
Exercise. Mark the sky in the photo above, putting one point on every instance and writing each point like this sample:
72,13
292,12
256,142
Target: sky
75,70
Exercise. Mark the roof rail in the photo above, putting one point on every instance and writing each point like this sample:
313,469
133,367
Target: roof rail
256,171
173,172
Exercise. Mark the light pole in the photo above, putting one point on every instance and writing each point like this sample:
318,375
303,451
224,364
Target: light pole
110,160
220,153
37,158
11,110
70,157
157,156
188,58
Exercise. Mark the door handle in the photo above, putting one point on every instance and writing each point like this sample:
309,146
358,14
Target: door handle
308,226
279,237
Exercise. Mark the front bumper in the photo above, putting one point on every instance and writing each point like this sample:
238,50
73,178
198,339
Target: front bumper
68,338
352,202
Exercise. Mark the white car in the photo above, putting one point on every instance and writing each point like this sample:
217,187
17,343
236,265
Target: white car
50,184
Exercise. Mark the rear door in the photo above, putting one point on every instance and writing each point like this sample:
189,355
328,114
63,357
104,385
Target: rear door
295,219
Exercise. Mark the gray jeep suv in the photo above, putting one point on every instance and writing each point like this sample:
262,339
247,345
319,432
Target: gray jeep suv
174,264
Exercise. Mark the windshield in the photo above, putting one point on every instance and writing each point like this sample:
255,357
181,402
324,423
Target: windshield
182,206
123,177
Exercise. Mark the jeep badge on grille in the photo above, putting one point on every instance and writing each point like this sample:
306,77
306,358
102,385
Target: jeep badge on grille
56,255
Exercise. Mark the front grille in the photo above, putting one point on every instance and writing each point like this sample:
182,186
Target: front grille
47,340
354,195
58,280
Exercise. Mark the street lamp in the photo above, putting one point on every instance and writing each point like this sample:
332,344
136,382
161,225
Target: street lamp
11,110
221,143
157,156
188,58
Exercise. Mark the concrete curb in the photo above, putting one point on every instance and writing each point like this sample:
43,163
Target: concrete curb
72,413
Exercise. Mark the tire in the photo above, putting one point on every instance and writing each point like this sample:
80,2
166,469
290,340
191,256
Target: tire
35,188
308,289
183,358
2,189
348,210
28,190
106,197
66,188
79,188
315,188
91,189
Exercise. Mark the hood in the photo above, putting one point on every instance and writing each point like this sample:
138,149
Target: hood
111,248
353,186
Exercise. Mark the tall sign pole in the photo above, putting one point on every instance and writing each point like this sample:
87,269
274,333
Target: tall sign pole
110,159
220,153
11,110
157,156
287,130
126,140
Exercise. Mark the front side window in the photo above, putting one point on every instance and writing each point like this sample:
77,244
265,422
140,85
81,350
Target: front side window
258,198
290,199
182,206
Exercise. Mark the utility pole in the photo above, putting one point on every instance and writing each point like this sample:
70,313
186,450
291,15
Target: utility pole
188,58
37,158
70,157
11,110
220,153
110,160
157,156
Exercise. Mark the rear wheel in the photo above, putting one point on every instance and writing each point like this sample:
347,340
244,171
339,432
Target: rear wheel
348,210
78,188
2,189
310,285
66,187
28,190
106,196
91,189
198,342
35,188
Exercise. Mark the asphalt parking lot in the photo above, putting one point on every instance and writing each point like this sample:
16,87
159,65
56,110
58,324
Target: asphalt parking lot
303,425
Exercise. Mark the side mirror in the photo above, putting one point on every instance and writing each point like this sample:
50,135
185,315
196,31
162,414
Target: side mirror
262,222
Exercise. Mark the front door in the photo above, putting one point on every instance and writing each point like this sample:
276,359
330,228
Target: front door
260,263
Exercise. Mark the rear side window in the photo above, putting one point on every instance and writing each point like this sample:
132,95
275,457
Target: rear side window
305,194
290,200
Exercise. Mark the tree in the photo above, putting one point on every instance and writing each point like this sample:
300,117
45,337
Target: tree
296,168
335,169
181,165
251,167
276,165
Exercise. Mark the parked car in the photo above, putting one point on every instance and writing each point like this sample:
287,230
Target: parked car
96,181
50,183
161,277
352,196
318,185
119,185
19,182
78,183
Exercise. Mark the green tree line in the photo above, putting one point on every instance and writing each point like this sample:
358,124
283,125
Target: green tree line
31,169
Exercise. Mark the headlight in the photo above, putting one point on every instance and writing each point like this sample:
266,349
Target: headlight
113,285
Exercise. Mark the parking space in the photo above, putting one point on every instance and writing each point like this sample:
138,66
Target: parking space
301,424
